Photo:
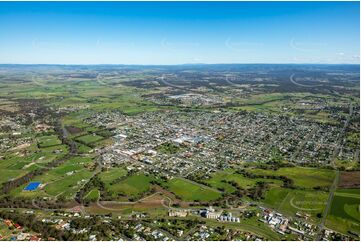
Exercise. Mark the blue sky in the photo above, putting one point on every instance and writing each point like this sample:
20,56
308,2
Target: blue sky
179,32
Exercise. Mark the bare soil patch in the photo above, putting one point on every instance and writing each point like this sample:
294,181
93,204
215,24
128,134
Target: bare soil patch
73,129
349,179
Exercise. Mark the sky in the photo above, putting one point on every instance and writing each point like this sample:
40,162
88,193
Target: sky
179,32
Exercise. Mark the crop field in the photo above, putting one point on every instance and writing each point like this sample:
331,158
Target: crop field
302,177
189,191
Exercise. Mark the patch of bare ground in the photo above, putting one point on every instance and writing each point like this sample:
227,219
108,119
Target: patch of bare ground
73,129
349,179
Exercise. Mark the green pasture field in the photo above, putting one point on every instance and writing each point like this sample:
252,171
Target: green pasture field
49,140
131,186
14,166
275,196
69,185
344,215
76,119
347,207
342,225
108,176
348,192
93,195
102,143
189,191
291,201
302,177
90,138
64,179
83,148
218,178
275,103
7,174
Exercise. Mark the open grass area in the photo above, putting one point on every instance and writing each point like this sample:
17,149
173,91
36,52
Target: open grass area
89,138
347,207
15,164
291,201
69,185
302,177
65,180
131,186
344,215
110,175
275,197
83,149
7,174
220,181
354,192
93,195
189,191
49,140
342,225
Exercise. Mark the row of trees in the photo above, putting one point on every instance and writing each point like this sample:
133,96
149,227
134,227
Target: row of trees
10,202
94,182
287,182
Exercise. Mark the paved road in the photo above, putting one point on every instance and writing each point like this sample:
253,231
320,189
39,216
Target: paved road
328,205
337,177
302,85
